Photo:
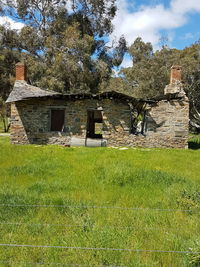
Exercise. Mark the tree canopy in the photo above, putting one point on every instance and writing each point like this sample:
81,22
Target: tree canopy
64,44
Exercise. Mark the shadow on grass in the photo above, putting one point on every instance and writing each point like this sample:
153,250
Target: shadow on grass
193,145
194,141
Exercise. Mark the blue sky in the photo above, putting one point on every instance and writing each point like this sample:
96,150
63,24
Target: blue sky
178,20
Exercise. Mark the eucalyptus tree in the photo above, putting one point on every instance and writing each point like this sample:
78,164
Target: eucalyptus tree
9,55
150,73
64,42
190,61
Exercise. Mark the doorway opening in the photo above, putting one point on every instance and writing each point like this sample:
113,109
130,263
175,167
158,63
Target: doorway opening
94,124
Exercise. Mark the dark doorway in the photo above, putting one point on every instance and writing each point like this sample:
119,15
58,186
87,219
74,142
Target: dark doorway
94,124
57,120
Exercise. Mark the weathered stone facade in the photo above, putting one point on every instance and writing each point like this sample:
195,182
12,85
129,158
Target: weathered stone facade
166,122
37,113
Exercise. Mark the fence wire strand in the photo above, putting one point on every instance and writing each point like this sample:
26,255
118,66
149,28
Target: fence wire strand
54,263
101,249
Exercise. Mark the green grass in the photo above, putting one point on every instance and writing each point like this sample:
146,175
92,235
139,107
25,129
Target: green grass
145,178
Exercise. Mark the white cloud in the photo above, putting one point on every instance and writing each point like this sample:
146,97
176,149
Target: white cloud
69,5
185,6
148,21
8,22
127,62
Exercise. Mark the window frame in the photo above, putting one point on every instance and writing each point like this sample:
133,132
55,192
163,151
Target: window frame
50,122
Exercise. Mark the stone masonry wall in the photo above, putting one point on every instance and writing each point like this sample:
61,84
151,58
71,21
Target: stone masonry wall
166,126
30,120
167,122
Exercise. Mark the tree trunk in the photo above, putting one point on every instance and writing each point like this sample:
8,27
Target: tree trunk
6,124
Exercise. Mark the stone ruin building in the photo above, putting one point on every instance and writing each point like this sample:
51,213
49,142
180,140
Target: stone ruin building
106,119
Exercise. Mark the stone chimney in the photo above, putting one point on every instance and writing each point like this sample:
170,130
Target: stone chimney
20,72
176,73
175,85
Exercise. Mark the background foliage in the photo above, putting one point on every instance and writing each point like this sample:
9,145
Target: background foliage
65,46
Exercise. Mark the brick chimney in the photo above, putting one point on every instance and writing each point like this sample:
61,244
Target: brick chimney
176,73
20,72
175,85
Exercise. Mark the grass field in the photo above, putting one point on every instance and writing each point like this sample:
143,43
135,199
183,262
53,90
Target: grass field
168,180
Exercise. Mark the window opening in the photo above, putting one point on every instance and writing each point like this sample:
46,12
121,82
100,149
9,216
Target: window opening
57,120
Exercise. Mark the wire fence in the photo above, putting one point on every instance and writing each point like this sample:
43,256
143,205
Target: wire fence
97,207
101,249
53,263
130,250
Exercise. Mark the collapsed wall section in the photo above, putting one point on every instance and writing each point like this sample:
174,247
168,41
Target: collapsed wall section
168,123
